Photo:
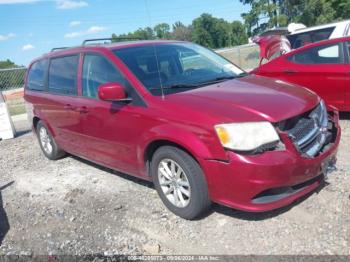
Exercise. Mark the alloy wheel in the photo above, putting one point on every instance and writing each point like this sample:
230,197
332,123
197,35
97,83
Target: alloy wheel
174,183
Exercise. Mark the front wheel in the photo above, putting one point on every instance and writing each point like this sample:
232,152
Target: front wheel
180,182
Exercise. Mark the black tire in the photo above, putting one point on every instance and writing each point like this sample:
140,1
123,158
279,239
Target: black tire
199,201
56,152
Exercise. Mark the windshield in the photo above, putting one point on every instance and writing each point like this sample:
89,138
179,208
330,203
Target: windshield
176,67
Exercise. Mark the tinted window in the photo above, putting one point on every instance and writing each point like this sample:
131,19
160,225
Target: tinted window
298,40
97,70
348,47
36,75
326,54
63,75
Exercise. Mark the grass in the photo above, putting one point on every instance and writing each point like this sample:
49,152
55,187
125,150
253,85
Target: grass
17,110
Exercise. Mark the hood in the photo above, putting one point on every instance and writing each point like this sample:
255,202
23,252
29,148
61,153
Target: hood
250,98
272,45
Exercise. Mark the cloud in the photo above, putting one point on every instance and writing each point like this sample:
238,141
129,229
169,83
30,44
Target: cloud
92,30
74,23
70,4
96,29
7,37
9,2
27,47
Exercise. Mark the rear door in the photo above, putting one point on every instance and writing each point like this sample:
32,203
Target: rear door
110,129
321,69
61,110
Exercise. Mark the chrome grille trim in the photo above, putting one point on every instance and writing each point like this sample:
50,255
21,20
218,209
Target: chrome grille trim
310,132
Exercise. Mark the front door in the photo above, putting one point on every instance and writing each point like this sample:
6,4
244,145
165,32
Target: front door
110,129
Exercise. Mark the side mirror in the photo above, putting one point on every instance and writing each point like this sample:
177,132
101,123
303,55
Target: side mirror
112,92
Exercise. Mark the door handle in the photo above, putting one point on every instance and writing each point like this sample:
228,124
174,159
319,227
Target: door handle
68,107
290,71
83,110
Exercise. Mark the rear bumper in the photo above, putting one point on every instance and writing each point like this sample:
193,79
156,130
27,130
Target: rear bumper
267,181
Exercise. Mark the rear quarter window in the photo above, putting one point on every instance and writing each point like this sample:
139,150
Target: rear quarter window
63,75
36,75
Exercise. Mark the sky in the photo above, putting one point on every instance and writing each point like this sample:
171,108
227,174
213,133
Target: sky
29,28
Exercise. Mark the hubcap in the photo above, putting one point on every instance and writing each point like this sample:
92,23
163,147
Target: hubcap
174,183
45,140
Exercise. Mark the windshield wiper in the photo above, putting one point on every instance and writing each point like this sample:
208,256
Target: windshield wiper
218,79
181,86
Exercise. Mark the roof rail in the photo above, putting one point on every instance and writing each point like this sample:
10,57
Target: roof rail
110,39
59,48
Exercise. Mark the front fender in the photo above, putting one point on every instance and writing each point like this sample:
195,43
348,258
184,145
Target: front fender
187,139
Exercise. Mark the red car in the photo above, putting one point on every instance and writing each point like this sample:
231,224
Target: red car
180,115
323,67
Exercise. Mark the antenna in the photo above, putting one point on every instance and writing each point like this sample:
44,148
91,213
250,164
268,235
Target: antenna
155,51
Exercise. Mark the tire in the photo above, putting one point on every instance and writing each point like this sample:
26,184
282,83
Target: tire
187,172
48,144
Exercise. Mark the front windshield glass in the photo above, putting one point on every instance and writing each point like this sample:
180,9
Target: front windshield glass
176,67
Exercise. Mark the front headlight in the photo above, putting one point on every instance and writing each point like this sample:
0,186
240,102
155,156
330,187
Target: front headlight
246,136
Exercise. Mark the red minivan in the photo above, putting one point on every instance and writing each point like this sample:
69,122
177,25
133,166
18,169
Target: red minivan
180,115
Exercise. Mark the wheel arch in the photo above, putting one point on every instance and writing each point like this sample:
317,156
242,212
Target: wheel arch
153,146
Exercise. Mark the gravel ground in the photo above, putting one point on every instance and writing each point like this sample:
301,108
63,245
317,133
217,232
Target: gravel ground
72,206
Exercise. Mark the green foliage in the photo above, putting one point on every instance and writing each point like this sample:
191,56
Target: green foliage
7,64
266,14
162,31
217,33
206,30
181,32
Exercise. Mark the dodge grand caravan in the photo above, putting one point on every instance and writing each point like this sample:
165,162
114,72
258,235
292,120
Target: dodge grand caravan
183,117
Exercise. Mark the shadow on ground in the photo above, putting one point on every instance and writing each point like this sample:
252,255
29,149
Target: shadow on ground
344,115
250,216
4,223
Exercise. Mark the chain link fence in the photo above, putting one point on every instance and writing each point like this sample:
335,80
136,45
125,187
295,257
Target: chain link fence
11,84
245,56
12,78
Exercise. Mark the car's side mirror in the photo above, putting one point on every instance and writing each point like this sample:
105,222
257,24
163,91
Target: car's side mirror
112,92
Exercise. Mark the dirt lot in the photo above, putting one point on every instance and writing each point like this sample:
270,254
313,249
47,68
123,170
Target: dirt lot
74,207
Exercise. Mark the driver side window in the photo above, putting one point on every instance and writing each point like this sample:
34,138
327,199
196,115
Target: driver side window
97,70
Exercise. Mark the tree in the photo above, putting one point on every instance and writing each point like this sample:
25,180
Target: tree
181,32
316,12
266,14
239,35
7,64
341,8
206,30
162,31
216,33
141,33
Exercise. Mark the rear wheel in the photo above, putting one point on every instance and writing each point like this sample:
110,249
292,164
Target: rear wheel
47,143
180,182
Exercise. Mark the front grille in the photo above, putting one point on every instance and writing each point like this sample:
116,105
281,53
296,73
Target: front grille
311,132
